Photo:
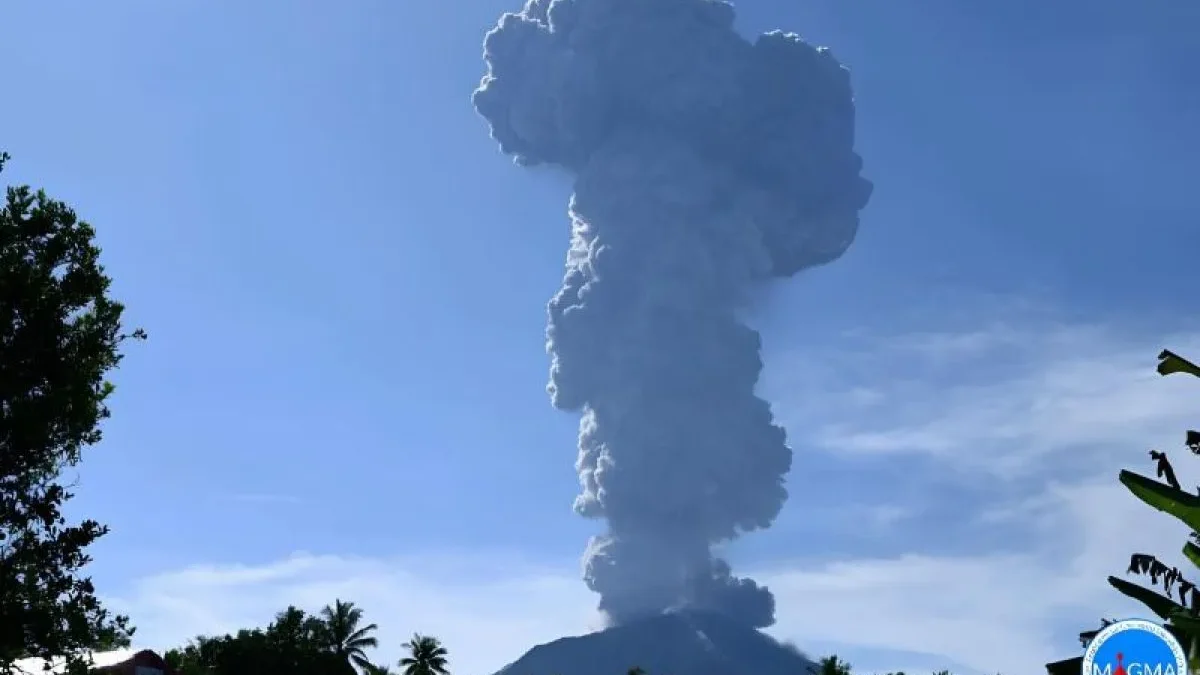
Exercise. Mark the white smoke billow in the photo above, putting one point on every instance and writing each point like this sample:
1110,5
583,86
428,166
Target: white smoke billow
703,163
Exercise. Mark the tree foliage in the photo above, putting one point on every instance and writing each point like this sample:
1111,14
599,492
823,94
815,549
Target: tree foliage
295,643
344,634
1170,595
60,335
1182,616
832,665
331,642
426,656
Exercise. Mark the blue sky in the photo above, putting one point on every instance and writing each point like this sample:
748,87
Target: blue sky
344,284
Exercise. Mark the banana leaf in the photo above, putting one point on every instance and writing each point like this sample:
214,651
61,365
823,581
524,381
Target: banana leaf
1160,604
1169,363
1178,503
1192,552
1187,622
1187,638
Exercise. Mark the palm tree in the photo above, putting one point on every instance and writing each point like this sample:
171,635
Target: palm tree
372,669
346,638
427,656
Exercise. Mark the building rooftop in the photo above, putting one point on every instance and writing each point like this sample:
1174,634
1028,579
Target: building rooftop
100,660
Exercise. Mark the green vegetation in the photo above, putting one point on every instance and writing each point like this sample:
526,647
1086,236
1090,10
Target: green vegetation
296,643
344,636
832,665
60,335
1178,603
427,656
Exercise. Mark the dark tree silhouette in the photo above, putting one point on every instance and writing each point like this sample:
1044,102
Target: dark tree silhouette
426,656
1181,617
832,665
346,637
294,644
60,334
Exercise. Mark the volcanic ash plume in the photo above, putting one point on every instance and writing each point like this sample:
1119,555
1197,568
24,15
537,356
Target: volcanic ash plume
703,164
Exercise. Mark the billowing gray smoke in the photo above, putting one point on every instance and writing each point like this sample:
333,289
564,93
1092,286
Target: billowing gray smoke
703,164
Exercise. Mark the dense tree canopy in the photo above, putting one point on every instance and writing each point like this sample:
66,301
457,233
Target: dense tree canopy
295,644
60,334
331,642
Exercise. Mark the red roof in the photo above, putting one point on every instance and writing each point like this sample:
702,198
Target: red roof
144,659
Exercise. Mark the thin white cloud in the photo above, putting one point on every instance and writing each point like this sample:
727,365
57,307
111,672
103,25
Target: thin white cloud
1080,403
993,402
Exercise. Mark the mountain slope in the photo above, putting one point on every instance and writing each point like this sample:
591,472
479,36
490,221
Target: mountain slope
676,643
